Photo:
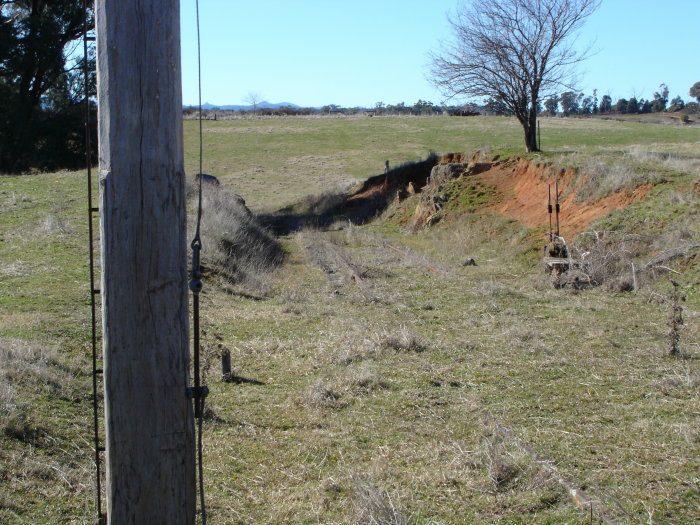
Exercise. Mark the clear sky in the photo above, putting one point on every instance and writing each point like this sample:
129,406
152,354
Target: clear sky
359,52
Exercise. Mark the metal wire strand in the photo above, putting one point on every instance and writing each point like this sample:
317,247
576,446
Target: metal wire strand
91,255
196,285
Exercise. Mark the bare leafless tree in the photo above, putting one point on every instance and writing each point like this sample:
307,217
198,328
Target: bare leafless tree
514,51
253,99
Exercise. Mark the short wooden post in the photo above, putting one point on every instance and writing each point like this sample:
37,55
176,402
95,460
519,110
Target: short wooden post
149,423
226,374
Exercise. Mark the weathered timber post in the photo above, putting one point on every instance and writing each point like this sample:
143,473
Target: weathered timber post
149,423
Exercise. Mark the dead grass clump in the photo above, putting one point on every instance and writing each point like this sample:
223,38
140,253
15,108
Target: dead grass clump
52,225
25,365
234,243
522,334
374,506
493,289
603,179
500,465
363,380
400,340
355,351
320,394
363,343
26,374
680,382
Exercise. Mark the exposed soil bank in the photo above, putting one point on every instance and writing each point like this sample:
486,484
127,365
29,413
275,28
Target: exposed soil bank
516,188
524,186
520,185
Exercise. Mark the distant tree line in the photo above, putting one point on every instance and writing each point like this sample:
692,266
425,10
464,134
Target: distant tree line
421,107
573,103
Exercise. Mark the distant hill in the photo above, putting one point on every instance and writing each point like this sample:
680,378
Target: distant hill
262,105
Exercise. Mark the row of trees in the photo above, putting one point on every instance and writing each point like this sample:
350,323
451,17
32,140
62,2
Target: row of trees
41,87
572,103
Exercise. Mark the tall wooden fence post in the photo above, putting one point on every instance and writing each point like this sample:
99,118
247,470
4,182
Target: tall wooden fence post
149,424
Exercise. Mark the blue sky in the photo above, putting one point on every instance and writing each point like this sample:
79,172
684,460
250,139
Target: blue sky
359,52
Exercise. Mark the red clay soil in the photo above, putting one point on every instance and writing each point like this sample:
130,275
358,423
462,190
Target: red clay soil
523,185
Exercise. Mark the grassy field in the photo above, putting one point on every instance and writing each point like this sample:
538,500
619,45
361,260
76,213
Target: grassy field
302,156
421,391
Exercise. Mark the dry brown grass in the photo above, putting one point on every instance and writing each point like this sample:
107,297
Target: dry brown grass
603,178
26,372
374,506
235,245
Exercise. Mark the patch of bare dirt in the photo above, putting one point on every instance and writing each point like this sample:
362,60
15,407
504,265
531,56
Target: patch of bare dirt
520,184
524,185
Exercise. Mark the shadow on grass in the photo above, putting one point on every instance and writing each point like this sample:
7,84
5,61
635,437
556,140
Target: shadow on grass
361,204
239,380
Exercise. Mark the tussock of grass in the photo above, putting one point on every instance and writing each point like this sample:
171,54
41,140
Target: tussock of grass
374,506
400,340
25,373
320,394
235,244
364,380
602,179
53,225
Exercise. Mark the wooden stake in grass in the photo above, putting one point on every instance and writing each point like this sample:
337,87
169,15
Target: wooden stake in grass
675,321
226,374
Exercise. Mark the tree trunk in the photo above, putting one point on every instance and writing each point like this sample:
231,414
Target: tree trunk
149,424
530,129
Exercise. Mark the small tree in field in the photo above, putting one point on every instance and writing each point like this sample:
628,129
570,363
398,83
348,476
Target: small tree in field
605,104
513,51
551,105
695,91
253,99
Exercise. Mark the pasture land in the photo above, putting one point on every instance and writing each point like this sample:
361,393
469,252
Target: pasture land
378,378
302,156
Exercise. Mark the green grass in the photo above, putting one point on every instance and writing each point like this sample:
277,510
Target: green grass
301,156
378,396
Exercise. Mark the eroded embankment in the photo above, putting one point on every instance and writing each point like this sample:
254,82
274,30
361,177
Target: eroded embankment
518,189
525,184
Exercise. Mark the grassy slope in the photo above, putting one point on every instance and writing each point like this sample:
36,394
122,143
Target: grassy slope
45,421
298,156
350,421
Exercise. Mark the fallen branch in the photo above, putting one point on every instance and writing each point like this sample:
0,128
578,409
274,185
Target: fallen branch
579,497
419,259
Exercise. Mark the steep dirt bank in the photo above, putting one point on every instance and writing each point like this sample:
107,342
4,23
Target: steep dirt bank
517,188
524,188
426,192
